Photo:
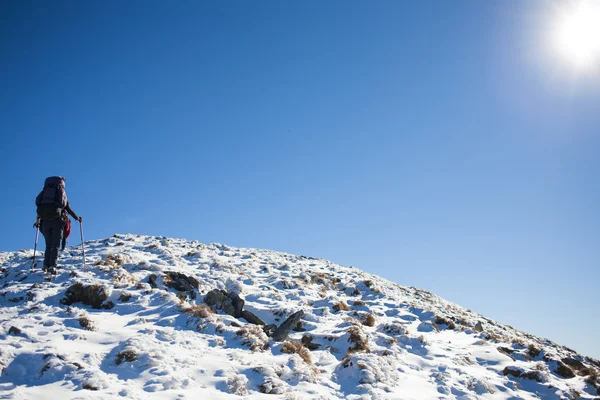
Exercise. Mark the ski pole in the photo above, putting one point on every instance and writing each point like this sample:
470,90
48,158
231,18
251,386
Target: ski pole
82,246
37,231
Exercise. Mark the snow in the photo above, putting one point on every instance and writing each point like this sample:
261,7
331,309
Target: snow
150,345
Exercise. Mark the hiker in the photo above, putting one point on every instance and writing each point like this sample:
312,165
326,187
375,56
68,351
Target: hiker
52,210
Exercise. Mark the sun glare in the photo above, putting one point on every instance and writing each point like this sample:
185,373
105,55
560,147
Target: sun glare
578,34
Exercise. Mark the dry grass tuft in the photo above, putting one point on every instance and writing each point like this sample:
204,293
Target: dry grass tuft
200,311
113,261
125,297
370,320
533,351
292,347
341,306
254,337
592,378
359,340
87,324
122,279
126,355
439,320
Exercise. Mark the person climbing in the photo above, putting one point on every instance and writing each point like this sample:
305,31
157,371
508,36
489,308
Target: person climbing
52,210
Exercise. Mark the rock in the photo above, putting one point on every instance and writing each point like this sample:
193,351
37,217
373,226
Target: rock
269,330
284,329
251,318
181,282
91,295
13,330
219,300
479,326
152,281
238,304
533,375
573,363
564,371
307,342
299,327
512,371
440,321
506,351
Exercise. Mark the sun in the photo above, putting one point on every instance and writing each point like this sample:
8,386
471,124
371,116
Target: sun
577,34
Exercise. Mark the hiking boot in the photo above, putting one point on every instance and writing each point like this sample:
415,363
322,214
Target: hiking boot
49,269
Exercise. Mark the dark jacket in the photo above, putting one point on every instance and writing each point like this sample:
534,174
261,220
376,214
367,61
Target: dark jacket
66,210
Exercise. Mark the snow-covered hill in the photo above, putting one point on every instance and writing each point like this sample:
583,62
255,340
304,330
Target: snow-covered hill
146,332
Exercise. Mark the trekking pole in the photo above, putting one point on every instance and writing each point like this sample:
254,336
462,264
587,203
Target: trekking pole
82,246
37,231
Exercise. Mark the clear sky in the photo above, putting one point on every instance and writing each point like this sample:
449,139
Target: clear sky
437,144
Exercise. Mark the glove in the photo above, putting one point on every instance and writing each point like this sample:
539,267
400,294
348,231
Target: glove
36,225
80,219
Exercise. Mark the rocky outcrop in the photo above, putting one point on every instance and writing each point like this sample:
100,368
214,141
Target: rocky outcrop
284,329
13,330
181,282
251,318
238,305
232,304
218,300
478,326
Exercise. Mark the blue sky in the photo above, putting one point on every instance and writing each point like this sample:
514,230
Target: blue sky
432,143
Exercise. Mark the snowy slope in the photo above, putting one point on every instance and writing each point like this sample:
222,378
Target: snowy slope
371,339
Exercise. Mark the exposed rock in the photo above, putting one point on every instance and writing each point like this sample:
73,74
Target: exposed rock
13,330
181,282
91,295
573,363
533,375
238,305
506,351
251,318
152,281
307,342
88,386
479,326
439,320
269,330
512,371
564,371
300,328
284,329
219,300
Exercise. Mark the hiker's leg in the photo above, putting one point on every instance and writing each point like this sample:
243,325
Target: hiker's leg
47,232
57,235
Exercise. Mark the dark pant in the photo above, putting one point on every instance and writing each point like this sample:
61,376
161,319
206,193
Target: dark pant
52,229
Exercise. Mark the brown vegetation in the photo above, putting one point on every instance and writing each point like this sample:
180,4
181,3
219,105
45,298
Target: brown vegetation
292,347
200,311
126,355
341,306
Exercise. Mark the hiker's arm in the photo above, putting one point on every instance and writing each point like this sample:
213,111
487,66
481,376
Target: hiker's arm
70,211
